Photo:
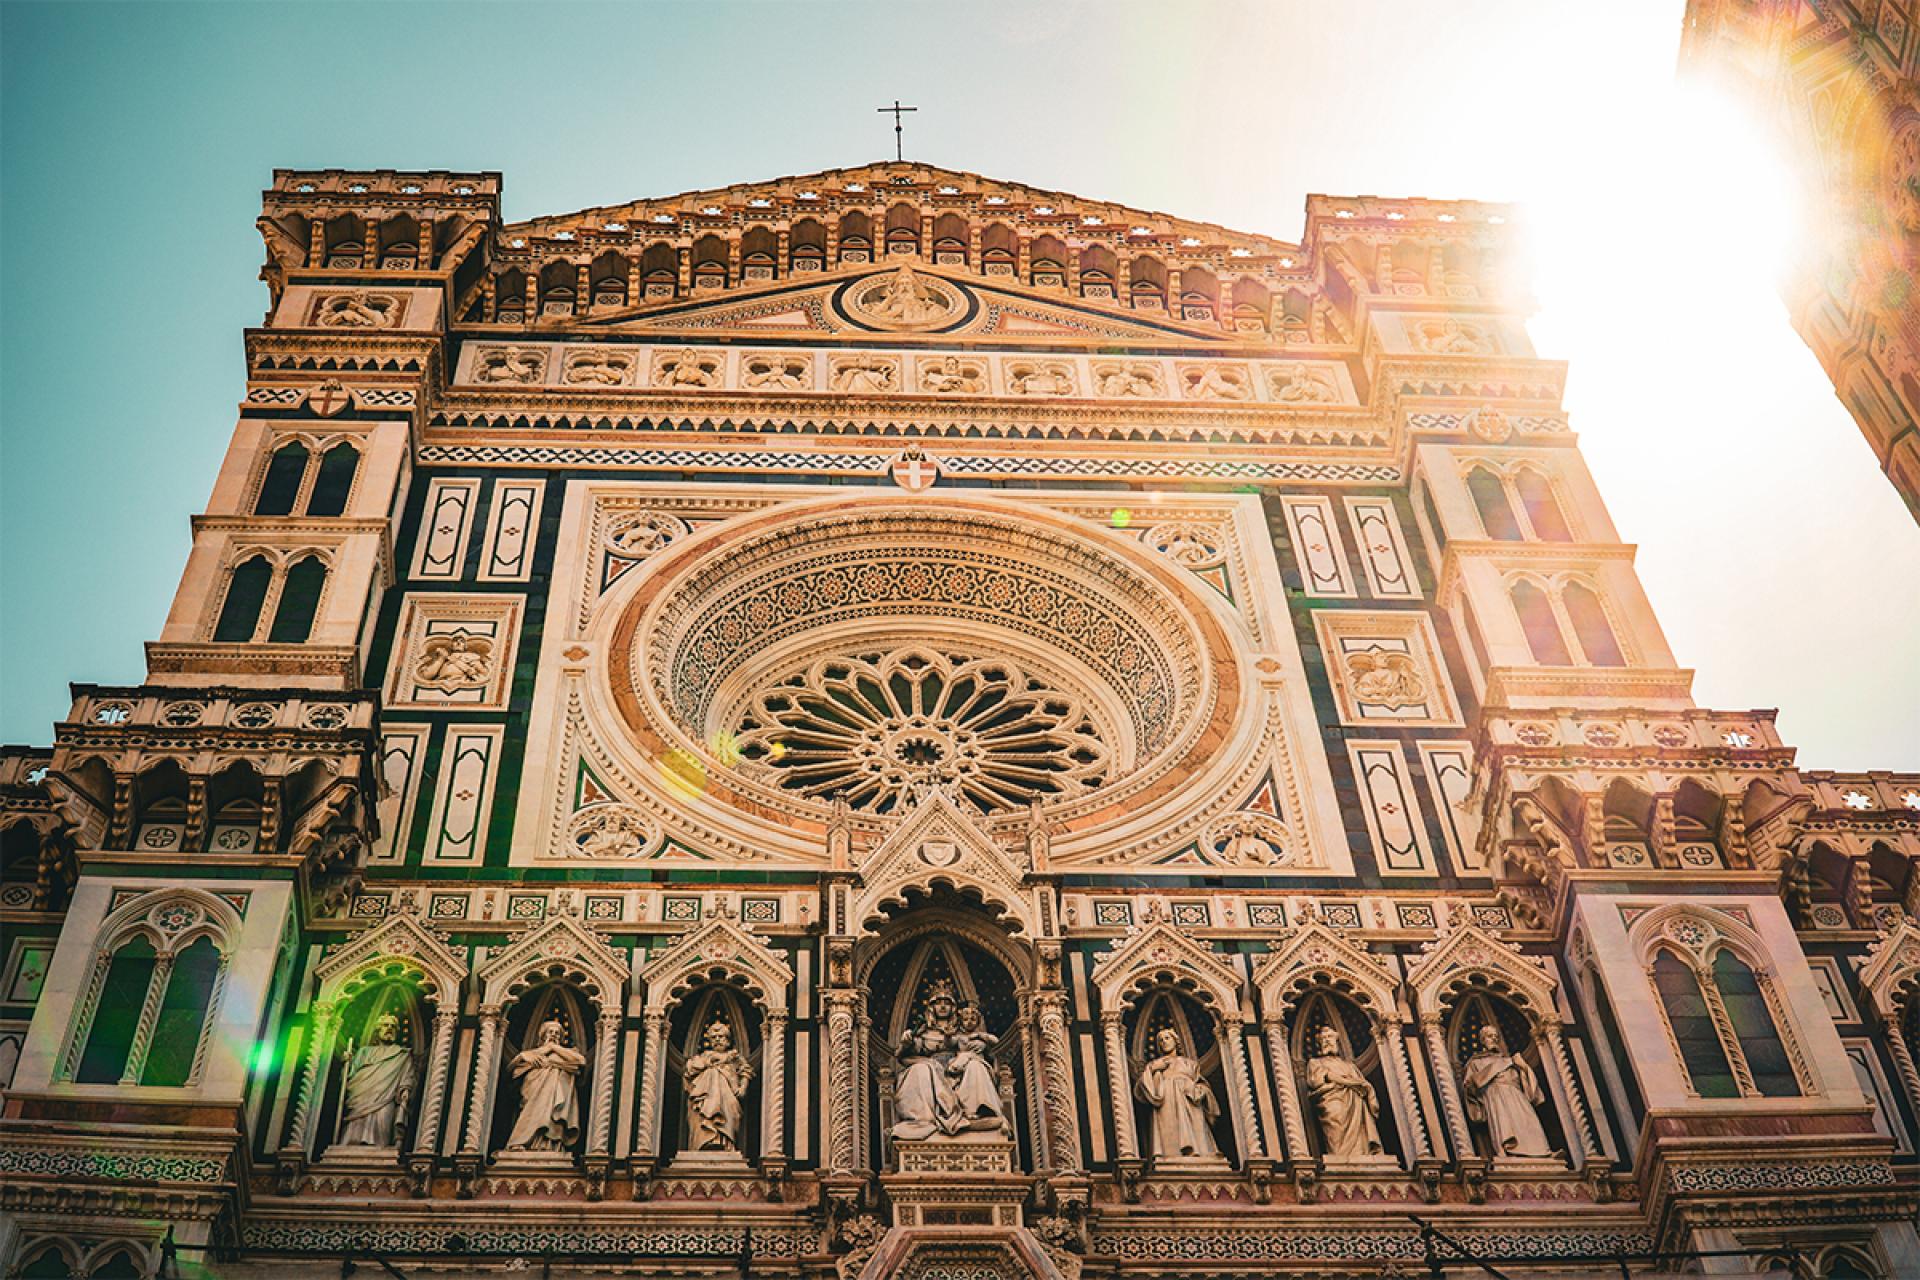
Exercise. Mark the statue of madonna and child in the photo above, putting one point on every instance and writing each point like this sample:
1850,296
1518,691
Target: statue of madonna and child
946,1085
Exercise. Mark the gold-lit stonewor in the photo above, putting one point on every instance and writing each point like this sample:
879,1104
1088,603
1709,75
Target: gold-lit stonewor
889,723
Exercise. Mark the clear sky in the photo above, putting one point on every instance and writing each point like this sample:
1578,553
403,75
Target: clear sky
135,139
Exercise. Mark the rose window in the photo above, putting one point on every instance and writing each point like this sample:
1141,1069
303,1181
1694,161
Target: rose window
879,729
874,651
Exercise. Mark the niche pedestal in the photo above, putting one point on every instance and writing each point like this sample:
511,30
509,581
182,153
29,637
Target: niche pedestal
965,1180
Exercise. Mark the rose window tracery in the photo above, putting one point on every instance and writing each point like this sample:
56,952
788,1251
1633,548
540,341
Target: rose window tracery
874,651
881,729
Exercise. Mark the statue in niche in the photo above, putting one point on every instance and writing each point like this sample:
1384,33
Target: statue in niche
1344,1102
970,1069
1502,1092
549,1117
1184,1107
947,1085
716,1080
377,1088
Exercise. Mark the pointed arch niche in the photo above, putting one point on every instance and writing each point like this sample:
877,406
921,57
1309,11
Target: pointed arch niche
1315,977
564,971
1468,976
397,967
939,935
1150,966
719,970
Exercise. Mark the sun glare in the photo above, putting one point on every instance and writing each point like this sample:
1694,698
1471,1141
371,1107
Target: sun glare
1681,222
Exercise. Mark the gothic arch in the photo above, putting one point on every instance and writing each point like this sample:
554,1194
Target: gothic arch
1158,955
939,846
398,946
718,951
1466,958
562,949
1311,956
146,916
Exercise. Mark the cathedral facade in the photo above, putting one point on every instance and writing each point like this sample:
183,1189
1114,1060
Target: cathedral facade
888,723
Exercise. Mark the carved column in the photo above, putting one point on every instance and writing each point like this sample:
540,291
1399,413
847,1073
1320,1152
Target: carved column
1556,1053
773,1089
653,1050
841,1136
485,1069
1392,1047
1252,1145
149,1014
1436,1038
426,1129
1120,1086
1902,1055
319,1046
1063,1133
1292,1122
862,1072
606,1047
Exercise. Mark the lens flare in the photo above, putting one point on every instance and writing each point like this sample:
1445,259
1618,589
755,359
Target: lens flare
685,773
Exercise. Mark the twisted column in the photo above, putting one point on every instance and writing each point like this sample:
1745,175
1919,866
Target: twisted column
1063,1133
1286,1092
1556,1047
480,1093
319,1044
652,1050
773,1088
606,1046
1119,1086
839,1110
149,1014
1902,1055
440,1057
1393,1051
1456,1115
1252,1142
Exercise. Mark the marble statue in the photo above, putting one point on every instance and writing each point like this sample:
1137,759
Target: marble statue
1183,1105
716,1082
379,1084
1345,1103
549,1118
970,1070
946,1085
1502,1092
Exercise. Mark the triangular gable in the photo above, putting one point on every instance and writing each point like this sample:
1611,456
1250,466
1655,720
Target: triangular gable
561,948
398,942
1466,954
1155,951
937,843
1312,955
719,946
815,306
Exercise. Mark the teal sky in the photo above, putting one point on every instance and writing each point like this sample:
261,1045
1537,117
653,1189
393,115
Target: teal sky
135,139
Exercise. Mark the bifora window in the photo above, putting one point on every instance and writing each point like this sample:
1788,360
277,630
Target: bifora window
153,989
1723,1026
